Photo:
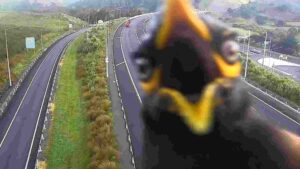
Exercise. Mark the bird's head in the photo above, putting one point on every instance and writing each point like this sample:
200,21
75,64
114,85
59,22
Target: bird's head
188,59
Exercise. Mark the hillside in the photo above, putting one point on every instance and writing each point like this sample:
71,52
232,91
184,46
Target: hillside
20,25
285,11
29,5
221,6
148,5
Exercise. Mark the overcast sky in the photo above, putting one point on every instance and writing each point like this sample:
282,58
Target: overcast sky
42,1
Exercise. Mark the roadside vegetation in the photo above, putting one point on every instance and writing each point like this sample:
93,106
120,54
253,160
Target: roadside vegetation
283,86
281,21
92,73
82,134
49,26
145,5
94,15
67,147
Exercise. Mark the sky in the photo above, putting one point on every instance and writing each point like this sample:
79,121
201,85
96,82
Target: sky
65,2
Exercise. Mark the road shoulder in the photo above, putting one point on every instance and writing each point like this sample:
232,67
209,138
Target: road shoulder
119,120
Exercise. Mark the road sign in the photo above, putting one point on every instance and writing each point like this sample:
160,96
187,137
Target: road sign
70,26
30,43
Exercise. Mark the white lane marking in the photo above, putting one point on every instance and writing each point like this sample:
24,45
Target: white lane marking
271,97
119,64
137,93
21,103
274,109
254,96
41,108
124,117
249,93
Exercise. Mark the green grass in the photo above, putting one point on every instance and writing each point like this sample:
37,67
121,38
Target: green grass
2,14
28,24
240,31
82,130
283,86
49,21
68,141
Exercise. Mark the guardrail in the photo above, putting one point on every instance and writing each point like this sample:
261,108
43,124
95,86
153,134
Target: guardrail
10,93
270,53
275,70
274,96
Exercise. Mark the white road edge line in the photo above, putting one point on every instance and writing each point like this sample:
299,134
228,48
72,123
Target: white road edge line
21,103
271,96
257,97
137,93
37,122
125,119
274,109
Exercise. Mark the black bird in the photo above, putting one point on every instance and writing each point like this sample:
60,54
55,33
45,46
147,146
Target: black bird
197,112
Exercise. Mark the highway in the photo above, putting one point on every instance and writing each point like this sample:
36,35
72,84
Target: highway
21,126
292,70
126,40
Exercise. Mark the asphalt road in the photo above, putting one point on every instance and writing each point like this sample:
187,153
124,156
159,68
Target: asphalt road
125,42
20,127
293,71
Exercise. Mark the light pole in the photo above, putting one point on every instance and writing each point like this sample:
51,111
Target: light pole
270,53
7,58
42,42
247,59
107,47
265,46
108,18
244,44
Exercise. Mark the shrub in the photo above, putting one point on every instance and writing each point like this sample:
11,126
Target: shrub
91,71
86,47
281,85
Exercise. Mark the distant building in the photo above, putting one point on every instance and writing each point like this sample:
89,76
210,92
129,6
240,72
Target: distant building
100,22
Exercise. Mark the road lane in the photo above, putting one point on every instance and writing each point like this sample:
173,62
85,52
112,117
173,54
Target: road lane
20,125
292,70
125,42
269,110
132,104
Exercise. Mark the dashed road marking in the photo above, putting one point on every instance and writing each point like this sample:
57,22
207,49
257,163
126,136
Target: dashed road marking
119,64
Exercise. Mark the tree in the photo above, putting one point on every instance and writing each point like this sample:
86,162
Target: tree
292,31
230,10
261,20
283,8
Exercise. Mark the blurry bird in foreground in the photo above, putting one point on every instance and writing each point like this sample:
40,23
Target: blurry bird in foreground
197,111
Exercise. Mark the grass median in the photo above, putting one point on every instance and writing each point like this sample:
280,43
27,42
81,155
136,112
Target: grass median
82,134
69,130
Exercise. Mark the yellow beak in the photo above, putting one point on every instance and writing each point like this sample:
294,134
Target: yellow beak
180,11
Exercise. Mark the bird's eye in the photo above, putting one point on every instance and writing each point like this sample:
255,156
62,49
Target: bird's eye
144,68
230,51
